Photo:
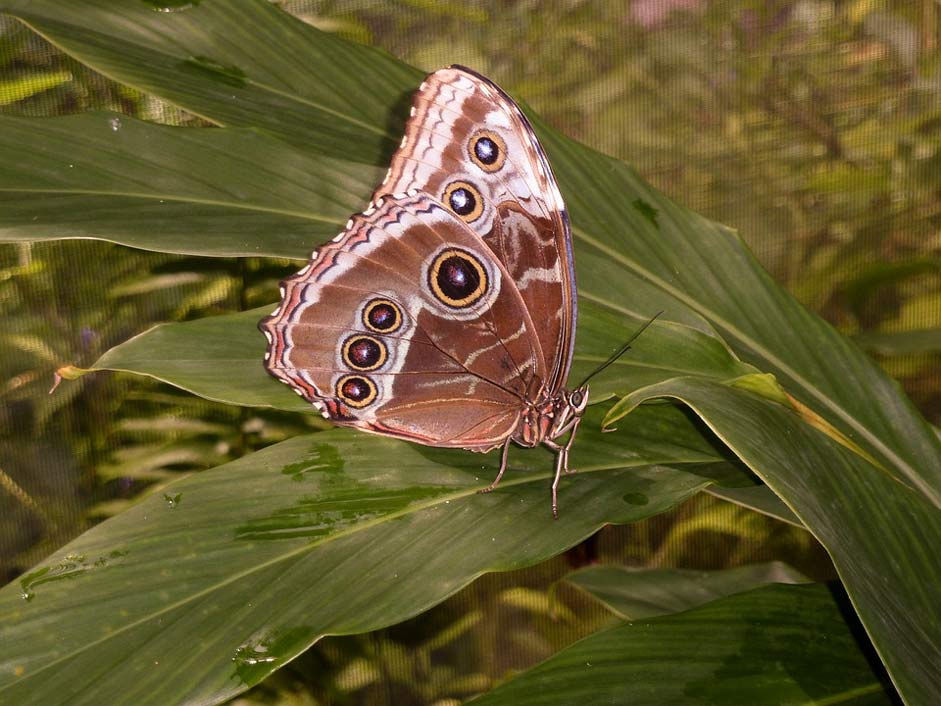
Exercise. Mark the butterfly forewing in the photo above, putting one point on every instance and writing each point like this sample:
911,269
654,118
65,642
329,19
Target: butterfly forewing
469,146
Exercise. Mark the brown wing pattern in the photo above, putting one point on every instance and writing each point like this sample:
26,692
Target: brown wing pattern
468,145
407,325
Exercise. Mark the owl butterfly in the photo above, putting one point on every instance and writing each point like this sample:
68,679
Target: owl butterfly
445,312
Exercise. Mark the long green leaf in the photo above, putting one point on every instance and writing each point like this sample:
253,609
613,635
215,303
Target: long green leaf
219,358
880,535
655,253
780,645
636,253
239,63
205,192
202,590
636,594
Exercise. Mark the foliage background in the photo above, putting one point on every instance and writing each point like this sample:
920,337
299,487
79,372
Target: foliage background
813,127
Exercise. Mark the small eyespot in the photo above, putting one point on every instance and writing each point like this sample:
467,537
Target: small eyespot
464,199
356,391
364,352
457,278
487,150
382,316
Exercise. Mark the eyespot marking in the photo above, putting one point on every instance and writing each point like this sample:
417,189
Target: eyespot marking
464,199
457,278
364,352
356,391
487,150
382,316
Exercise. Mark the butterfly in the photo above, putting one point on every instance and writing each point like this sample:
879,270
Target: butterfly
445,312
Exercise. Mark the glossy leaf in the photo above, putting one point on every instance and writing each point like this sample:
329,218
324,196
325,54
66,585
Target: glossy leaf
203,589
779,645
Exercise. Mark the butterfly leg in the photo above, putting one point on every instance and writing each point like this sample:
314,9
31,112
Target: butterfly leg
568,445
496,481
561,460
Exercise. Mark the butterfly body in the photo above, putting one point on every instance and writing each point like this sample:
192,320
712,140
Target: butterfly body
444,314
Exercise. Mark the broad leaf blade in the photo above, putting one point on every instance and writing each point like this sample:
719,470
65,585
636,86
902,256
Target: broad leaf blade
779,645
221,358
880,535
239,63
694,264
197,593
636,594
183,190
636,253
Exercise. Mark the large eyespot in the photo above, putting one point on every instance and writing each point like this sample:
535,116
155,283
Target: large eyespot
464,199
457,278
382,316
487,150
357,391
364,352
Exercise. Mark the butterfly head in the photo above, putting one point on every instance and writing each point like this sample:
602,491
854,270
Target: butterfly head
569,406
577,400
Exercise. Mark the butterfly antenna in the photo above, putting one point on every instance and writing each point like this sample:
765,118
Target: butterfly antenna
617,354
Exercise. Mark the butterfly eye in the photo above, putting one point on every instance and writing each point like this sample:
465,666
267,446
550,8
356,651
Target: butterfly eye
464,199
364,352
356,391
487,150
382,316
457,278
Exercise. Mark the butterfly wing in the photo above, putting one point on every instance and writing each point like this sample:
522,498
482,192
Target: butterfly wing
469,146
407,325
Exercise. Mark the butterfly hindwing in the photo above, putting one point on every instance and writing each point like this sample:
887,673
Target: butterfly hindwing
407,325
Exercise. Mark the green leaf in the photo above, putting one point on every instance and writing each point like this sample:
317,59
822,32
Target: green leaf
779,645
241,63
732,481
759,498
878,533
636,252
637,594
182,190
220,358
200,591
691,267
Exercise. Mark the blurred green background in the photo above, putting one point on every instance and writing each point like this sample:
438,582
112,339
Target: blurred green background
813,127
